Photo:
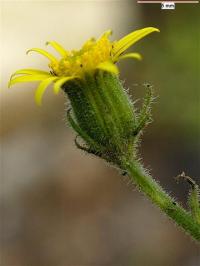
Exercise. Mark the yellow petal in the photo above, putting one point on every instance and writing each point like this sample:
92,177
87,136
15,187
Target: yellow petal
58,48
109,67
29,72
124,43
43,52
41,89
60,82
130,55
27,78
106,34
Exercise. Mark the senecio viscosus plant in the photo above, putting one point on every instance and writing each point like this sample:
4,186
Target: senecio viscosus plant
104,117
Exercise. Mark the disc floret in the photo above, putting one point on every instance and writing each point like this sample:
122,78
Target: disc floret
87,59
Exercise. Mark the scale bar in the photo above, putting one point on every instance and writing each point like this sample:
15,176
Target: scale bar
159,2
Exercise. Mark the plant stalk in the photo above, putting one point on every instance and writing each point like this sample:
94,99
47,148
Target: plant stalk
159,197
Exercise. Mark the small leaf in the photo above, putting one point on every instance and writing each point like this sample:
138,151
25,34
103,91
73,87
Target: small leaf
144,116
89,141
193,199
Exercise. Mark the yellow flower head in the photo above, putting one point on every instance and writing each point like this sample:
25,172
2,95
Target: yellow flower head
95,54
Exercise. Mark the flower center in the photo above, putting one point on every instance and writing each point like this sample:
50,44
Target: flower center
76,63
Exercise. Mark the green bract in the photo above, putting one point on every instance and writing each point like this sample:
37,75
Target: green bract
103,116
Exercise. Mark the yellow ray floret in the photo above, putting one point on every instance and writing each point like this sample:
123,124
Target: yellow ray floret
95,54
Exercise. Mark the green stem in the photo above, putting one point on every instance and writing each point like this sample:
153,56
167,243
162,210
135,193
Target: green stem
159,197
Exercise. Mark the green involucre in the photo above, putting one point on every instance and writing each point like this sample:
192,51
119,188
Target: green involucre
104,116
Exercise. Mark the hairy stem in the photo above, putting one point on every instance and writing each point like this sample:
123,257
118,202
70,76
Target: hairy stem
159,197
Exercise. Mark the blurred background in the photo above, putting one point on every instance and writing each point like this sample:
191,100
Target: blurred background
61,207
